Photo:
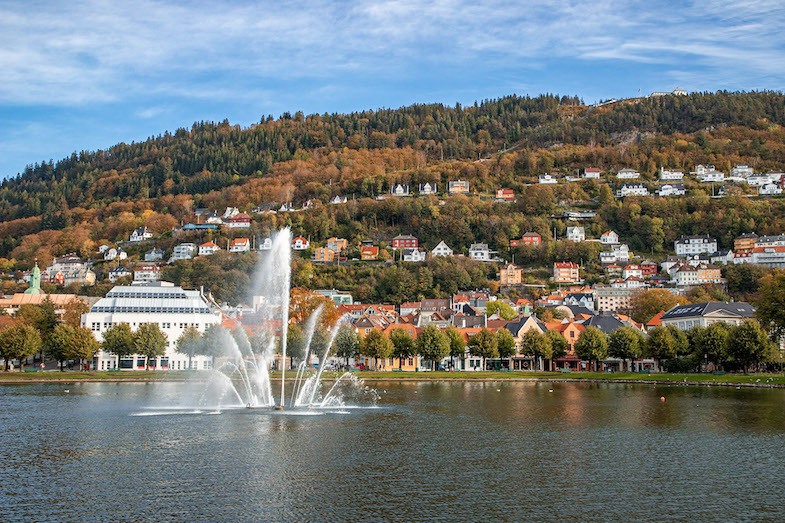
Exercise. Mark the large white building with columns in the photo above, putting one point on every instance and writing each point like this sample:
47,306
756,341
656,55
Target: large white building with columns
172,308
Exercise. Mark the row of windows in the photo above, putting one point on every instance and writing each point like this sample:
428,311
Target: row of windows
147,295
97,326
176,365
170,310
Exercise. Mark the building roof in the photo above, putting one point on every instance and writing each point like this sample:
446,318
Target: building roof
696,310
606,324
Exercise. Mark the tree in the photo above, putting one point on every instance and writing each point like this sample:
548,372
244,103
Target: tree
347,344
592,346
502,308
119,340
645,305
457,344
71,343
19,341
149,341
483,345
403,345
748,345
43,317
73,310
626,343
535,343
710,343
771,303
377,346
190,343
433,344
295,342
559,345
505,343
666,343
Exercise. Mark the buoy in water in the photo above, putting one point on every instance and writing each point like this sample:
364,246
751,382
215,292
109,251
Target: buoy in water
662,398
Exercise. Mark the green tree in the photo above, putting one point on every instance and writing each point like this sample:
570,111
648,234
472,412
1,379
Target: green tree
377,346
710,343
433,344
536,344
559,345
19,341
666,343
119,340
149,341
483,345
190,343
295,342
505,343
43,317
646,304
749,345
771,302
502,308
347,344
592,346
403,345
626,343
71,343
457,344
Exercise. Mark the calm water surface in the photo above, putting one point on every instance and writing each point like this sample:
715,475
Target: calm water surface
431,452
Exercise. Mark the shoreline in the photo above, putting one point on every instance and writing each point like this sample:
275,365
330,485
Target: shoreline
764,381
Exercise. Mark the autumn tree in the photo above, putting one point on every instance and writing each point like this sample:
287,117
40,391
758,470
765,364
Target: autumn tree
457,344
536,344
483,345
190,343
19,341
592,346
149,341
646,304
347,344
433,344
403,345
71,343
502,308
771,302
119,340
377,346
749,345
626,344
505,343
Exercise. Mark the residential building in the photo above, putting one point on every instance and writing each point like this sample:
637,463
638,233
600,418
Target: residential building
68,270
140,234
619,253
628,174
481,252
530,239
685,317
510,275
632,269
337,244
576,234
208,248
119,272
238,221
771,256
147,273
300,243
547,179
369,252
458,187
632,189
240,245
405,241
172,308
154,255
505,195
442,249
427,189
769,189
770,241
708,174
745,242
184,251
591,172
670,175
266,244
323,255
689,245
414,255
609,238
609,298
115,254
566,272
742,171
338,297
399,190
338,200
672,190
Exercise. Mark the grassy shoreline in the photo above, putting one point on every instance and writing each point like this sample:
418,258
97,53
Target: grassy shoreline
728,380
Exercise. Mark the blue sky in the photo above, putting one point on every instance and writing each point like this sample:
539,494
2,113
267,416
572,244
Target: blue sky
84,75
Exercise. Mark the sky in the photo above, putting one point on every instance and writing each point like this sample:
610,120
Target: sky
87,74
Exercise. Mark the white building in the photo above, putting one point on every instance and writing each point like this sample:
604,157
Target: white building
117,273
442,249
427,188
415,255
770,189
667,175
741,171
481,252
547,179
628,174
676,189
576,234
632,189
770,256
146,273
208,248
266,244
240,245
609,238
708,174
140,234
171,308
591,172
619,253
184,251
689,245
154,255
300,243
400,190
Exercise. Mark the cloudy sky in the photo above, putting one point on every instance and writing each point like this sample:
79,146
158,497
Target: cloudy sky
86,74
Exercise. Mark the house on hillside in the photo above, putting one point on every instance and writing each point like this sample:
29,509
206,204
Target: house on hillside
442,249
628,174
510,275
458,187
240,245
427,189
300,243
566,272
529,239
208,248
140,234
576,234
505,195
591,173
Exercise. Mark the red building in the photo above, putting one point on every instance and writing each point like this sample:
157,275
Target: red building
405,241
530,238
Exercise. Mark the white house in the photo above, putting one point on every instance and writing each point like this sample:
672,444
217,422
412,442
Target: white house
709,174
632,189
742,171
184,251
442,249
208,248
427,188
414,255
628,174
117,273
140,234
337,200
266,244
609,238
458,187
677,189
770,189
154,255
481,252
670,175
172,308
591,172
240,245
771,256
400,190
689,245
619,253
299,243
759,180
547,179
576,234
147,273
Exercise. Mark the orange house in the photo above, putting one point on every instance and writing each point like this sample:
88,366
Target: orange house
369,253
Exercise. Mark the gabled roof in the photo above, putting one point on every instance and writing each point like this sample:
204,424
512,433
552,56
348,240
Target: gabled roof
606,324
739,309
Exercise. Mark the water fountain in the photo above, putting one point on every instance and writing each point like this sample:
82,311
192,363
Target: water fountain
240,377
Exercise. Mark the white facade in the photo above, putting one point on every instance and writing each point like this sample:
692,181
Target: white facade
591,172
427,188
769,189
480,252
300,243
742,171
266,244
184,251
146,273
171,308
672,190
712,177
688,245
619,253
576,234
609,238
628,174
632,189
140,234
206,249
547,179
117,273
240,245
442,250
414,255
668,175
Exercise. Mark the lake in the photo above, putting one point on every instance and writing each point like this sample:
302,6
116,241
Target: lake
430,451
